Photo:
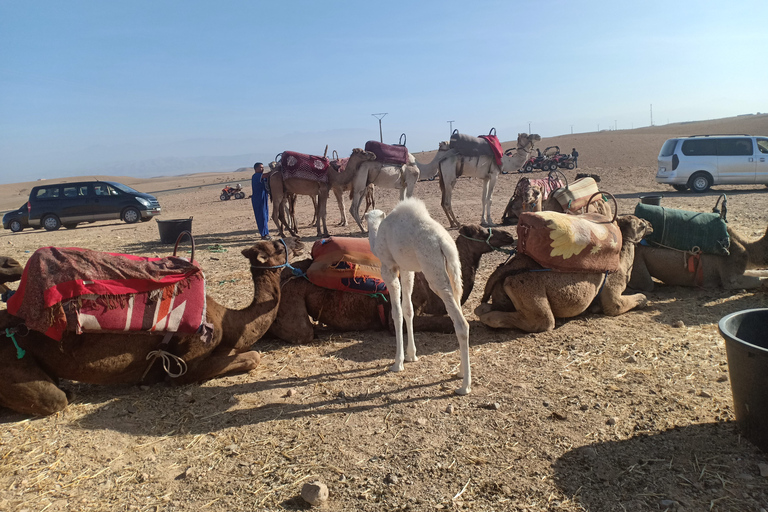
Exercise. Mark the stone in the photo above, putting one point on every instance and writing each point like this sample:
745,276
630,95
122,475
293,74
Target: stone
315,492
763,469
611,421
290,393
391,479
450,409
669,504
678,324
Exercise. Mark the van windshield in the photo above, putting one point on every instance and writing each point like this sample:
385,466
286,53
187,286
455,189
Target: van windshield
668,148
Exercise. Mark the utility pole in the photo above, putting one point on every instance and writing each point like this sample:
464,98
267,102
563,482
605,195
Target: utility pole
529,127
571,129
379,117
451,123
615,125
651,114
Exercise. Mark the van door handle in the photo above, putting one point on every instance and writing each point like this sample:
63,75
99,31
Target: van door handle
751,159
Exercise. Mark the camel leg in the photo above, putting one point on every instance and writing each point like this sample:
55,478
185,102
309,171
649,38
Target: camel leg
488,187
322,204
370,199
532,315
640,277
354,210
218,364
615,304
390,277
277,204
295,327
25,387
447,192
340,200
406,280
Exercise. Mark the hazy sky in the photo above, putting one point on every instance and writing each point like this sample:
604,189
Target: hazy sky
89,82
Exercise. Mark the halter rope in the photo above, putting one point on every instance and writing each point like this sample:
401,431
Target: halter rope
488,242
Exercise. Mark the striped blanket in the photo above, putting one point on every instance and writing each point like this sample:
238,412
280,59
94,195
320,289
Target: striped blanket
80,290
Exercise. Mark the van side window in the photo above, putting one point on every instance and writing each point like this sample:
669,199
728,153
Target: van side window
100,190
734,147
70,191
762,145
47,193
699,147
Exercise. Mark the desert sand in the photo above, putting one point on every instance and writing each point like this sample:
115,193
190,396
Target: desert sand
602,414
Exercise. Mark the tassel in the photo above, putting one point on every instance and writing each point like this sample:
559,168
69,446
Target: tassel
19,351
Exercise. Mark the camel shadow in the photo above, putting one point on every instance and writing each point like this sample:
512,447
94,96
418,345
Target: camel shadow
696,467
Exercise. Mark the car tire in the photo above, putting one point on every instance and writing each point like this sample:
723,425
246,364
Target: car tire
680,188
700,182
15,226
131,215
70,226
51,222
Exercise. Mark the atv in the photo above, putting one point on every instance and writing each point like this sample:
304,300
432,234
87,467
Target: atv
228,192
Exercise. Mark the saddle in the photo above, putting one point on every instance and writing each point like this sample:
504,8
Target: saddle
578,195
346,264
686,230
302,166
570,243
80,290
389,153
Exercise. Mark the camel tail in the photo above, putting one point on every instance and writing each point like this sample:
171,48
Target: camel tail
453,268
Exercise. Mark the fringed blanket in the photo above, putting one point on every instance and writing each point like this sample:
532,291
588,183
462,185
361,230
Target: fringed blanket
493,141
81,290
306,167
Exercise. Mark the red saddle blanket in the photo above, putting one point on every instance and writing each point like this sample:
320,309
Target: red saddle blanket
346,264
570,243
493,141
80,290
306,167
387,153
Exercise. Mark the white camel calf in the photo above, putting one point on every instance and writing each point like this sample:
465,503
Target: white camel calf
406,241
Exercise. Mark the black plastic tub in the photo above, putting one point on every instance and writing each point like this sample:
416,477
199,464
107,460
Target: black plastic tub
746,345
172,228
654,200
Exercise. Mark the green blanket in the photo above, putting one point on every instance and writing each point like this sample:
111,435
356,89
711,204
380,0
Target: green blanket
685,230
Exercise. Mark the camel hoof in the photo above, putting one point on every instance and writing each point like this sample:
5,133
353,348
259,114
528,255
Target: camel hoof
463,390
482,309
411,359
397,367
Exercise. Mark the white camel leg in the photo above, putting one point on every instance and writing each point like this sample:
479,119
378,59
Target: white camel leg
389,275
490,185
406,280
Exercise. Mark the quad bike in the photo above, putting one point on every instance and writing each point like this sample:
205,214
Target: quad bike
228,192
564,161
545,161
535,162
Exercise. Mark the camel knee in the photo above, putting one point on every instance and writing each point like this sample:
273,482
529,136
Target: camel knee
37,398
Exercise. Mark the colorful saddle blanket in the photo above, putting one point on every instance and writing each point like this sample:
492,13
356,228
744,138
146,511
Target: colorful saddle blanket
306,167
346,264
388,153
80,290
578,194
547,186
685,230
570,243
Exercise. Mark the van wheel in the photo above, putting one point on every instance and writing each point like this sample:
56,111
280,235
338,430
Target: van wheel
51,222
700,182
680,188
131,215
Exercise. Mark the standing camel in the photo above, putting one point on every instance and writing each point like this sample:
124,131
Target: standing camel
485,168
29,385
406,241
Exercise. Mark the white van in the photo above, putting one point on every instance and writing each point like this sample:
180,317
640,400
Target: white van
700,161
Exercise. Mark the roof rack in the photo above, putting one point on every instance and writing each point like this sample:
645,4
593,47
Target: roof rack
722,135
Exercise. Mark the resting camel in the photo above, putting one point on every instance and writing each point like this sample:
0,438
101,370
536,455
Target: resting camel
406,241
29,385
540,297
671,266
301,301
484,167
10,271
337,181
532,198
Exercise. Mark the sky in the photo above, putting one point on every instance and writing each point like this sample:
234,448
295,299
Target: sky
169,86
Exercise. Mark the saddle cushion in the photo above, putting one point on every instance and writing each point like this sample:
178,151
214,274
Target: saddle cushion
685,230
386,153
81,290
495,145
306,167
467,145
570,243
346,264
577,195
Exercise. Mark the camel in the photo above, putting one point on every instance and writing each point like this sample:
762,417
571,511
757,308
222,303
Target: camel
533,199
301,301
10,270
337,181
29,384
539,297
671,266
485,168
406,241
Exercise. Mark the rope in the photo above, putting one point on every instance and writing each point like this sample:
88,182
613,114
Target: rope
488,242
378,295
19,351
167,357
296,271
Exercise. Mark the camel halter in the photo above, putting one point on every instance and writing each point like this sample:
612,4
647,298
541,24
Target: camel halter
296,271
488,242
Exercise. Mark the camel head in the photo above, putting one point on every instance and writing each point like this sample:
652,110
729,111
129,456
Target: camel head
273,252
526,141
374,218
497,238
444,146
362,155
633,229
10,270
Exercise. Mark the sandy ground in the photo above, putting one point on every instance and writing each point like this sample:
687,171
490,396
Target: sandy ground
601,414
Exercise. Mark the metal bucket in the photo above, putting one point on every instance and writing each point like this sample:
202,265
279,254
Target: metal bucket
172,228
746,345
654,200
